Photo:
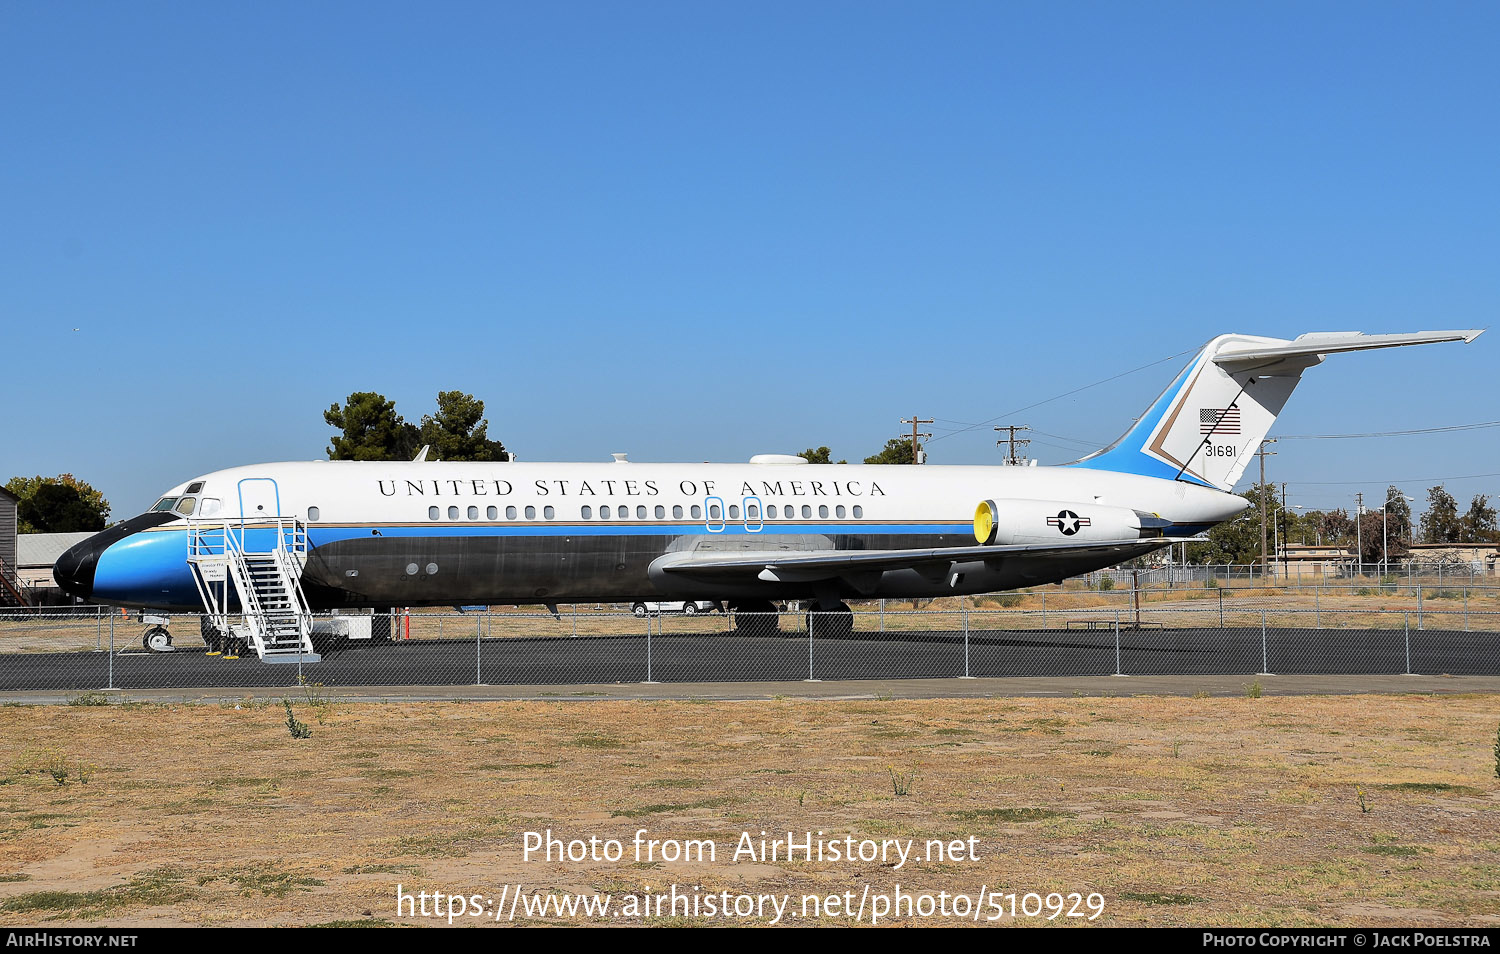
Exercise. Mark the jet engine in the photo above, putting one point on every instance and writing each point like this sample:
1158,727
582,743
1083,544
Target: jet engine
1030,522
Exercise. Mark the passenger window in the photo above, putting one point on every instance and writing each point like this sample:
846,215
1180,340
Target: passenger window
530,513
640,512
452,513
661,512
549,512
840,511
806,511
771,511
510,513
185,506
823,511
604,512
492,513
677,511
432,513
313,513
622,512
713,512
587,512
697,512
473,513
858,511
753,512
734,511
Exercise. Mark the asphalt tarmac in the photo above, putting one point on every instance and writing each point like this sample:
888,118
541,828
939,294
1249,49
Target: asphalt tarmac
724,658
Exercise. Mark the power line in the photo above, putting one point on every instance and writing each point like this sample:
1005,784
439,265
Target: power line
1059,397
1419,430
1382,480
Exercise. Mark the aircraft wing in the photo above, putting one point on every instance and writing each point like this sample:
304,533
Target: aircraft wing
809,566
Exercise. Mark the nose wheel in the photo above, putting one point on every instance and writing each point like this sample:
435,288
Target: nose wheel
157,640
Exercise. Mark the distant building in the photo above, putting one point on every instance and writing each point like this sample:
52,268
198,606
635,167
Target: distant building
11,592
36,554
1478,557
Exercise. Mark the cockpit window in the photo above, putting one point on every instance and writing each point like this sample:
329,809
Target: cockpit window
165,503
185,506
194,487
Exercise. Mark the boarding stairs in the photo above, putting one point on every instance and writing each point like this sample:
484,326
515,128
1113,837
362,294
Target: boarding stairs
263,563
12,590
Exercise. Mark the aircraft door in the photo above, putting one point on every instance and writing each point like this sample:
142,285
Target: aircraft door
259,499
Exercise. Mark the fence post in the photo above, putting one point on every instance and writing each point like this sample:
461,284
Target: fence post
811,615
1265,667
111,651
1419,601
1221,605
1318,607
1408,644
478,634
1466,609
882,614
1117,644
650,676
99,625
1044,609
966,645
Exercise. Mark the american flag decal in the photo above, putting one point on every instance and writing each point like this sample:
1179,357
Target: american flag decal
1219,420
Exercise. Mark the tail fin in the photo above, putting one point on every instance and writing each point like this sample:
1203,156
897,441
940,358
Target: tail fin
1208,423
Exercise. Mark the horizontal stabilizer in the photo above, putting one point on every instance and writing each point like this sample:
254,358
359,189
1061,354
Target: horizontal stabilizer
1247,353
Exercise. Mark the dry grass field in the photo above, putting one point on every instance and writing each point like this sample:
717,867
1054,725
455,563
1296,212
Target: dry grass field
1374,810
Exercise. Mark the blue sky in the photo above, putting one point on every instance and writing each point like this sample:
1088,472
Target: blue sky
699,231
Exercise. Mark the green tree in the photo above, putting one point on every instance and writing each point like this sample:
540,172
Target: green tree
61,504
897,451
1238,540
1441,523
821,455
458,431
1478,525
372,429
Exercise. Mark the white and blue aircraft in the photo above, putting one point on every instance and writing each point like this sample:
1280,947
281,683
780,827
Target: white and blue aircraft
415,533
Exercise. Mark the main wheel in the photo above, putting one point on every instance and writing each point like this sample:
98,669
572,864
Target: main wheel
157,640
756,619
834,623
690,609
639,609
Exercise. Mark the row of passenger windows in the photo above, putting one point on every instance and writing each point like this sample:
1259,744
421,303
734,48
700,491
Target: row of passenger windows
622,512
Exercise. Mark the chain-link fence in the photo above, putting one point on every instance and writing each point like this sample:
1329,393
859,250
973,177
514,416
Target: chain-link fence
89,648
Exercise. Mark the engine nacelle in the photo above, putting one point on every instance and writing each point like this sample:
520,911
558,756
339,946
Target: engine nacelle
1023,522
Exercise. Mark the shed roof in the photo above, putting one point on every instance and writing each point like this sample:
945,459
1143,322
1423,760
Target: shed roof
43,549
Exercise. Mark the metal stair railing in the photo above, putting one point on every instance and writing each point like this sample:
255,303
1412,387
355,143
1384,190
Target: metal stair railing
11,587
220,542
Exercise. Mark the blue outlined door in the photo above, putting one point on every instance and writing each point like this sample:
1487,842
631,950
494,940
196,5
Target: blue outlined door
755,520
713,514
260,499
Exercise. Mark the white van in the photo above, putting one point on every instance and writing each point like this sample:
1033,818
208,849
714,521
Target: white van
689,609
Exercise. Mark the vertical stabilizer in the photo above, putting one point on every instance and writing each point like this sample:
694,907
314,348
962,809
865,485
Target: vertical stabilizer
1208,424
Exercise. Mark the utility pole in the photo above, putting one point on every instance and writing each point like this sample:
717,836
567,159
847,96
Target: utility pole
915,436
1011,458
1263,454
1359,537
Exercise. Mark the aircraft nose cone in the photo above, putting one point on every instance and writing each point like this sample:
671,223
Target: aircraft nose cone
74,570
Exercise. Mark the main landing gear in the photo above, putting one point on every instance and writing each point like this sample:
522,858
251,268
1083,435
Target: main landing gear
755,618
834,621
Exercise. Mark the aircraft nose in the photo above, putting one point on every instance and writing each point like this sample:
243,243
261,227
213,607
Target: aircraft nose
74,570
